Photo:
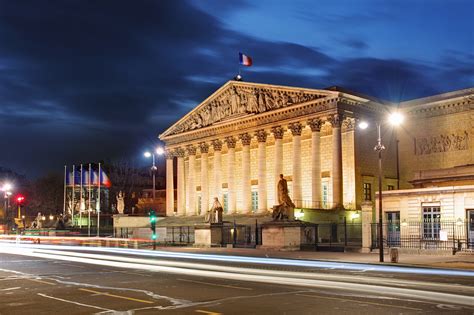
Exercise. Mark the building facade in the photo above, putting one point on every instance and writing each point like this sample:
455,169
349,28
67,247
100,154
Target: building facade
236,143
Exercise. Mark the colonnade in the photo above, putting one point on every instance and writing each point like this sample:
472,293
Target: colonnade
186,185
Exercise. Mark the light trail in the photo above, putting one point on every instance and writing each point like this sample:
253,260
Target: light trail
256,260
259,277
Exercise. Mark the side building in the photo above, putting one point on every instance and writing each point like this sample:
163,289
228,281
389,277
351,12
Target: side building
434,207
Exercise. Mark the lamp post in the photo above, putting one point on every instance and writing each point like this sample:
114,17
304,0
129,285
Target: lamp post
149,154
394,119
7,191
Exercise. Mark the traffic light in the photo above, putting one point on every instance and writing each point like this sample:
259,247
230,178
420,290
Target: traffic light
20,199
153,220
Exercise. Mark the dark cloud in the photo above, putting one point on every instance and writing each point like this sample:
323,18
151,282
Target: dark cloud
89,80
354,43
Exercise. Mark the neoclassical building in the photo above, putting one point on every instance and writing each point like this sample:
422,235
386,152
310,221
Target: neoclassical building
236,143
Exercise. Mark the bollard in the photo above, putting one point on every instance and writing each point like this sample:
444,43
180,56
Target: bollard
394,255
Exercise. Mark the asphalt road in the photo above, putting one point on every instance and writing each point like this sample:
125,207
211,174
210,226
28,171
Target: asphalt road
48,281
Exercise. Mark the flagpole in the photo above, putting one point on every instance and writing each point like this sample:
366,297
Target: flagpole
73,188
64,203
80,205
98,198
89,210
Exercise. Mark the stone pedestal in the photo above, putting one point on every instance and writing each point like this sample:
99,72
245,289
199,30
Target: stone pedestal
208,235
282,235
366,226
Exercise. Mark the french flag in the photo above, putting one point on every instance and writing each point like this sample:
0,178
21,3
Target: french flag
245,60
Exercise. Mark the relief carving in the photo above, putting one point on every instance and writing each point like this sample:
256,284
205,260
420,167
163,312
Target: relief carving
442,143
240,101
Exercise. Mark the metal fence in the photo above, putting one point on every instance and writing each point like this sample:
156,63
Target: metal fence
179,235
237,235
430,234
331,236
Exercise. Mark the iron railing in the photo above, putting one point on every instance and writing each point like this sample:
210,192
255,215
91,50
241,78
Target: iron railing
430,234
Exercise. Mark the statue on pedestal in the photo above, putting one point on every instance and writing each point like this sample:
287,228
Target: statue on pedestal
285,208
214,215
37,223
120,202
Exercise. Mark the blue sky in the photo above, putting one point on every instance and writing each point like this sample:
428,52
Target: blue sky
86,81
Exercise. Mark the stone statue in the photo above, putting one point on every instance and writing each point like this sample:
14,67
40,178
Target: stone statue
37,223
214,215
285,208
120,202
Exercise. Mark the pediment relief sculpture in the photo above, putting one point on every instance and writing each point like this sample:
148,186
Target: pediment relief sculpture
237,101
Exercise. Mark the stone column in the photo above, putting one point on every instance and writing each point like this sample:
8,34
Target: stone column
262,171
204,148
191,189
232,200
336,174
217,144
296,129
278,133
181,193
246,184
169,184
315,125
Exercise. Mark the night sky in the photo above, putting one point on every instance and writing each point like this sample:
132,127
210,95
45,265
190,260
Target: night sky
86,81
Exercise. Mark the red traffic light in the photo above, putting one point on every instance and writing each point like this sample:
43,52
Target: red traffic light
20,199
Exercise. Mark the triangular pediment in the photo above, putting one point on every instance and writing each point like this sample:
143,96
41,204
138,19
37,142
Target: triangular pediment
237,99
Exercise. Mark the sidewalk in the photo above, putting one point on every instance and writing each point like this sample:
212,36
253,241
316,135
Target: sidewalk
449,262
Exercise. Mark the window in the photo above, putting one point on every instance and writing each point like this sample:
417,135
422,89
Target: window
254,201
431,222
367,191
226,202
390,187
325,194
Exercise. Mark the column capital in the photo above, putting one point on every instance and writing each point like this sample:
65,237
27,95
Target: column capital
179,152
245,138
204,147
261,135
231,142
296,128
336,120
315,124
191,149
348,124
169,154
217,144
278,132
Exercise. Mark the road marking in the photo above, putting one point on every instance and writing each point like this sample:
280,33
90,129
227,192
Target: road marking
41,281
207,312
10,289
360,302
74,302
217,285
117,296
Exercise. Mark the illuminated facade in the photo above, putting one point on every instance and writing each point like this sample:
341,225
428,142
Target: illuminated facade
235,144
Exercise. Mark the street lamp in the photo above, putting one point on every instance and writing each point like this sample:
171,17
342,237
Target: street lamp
149,154
394,119
6,188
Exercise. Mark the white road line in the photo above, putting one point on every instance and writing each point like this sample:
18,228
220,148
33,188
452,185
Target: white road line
10,289
74,302
215,284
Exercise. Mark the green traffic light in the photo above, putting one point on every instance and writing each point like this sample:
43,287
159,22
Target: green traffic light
153,236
